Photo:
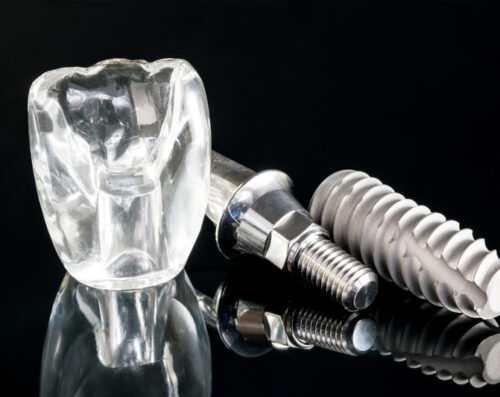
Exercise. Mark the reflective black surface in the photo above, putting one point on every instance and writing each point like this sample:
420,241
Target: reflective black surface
418,348
404,90
145,342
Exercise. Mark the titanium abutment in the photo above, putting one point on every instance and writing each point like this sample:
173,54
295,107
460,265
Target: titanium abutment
256,213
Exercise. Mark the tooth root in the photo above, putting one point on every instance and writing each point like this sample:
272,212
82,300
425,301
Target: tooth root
408,244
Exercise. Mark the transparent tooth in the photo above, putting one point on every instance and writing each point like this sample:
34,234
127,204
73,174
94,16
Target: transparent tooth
121,157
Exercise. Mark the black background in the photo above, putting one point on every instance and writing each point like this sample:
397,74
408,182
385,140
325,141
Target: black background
406,91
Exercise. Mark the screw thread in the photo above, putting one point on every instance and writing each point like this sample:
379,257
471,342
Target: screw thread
417,249
336,272
341,334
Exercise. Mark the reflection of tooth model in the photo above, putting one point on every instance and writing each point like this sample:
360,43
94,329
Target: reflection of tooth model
129,326
145,342
121,157
441,343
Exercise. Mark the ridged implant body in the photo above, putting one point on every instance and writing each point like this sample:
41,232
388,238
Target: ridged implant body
347,334
419,250
256,213
447,345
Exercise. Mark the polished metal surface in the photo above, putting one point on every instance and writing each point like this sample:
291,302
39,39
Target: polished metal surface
417,249
256,213
432,341
252,328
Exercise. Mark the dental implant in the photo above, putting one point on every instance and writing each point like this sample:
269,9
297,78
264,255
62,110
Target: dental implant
256,213
419,250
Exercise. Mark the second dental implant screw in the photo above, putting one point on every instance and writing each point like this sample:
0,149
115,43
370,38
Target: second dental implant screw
256,213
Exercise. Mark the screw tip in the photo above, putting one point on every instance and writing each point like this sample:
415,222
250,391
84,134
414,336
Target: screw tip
363,292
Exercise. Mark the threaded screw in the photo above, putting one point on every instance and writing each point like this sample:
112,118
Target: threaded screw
336,272
257,214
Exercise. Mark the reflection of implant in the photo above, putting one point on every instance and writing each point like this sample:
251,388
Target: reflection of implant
250,329
418,249
441,343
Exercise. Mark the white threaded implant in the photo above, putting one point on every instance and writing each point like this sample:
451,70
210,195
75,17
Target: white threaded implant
348,334
417,249
336,272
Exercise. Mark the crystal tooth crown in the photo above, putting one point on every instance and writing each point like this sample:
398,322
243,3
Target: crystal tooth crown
121,157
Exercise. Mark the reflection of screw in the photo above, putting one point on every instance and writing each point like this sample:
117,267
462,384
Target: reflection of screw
348,334
441,343
242,325
407,243
257,214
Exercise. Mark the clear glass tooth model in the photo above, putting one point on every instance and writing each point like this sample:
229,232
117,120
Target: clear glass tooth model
121,157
